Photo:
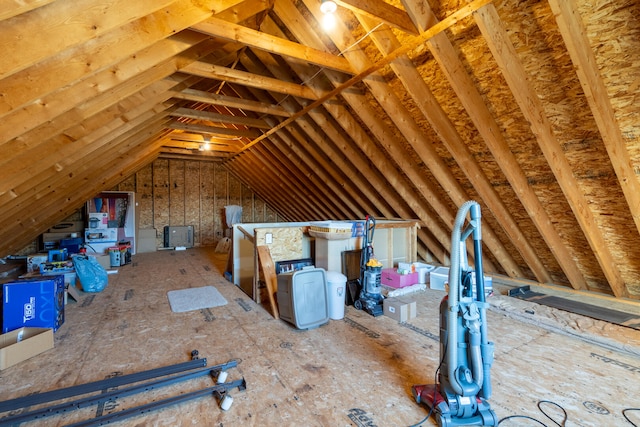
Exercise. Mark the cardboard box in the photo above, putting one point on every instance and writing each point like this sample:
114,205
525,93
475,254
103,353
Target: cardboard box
68,227
98,220
34,261
34,302
100,235
57,267
399,308
390,277
146,241
22,344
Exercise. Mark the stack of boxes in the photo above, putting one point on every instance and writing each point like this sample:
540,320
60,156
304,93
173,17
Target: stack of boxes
100,236
32,309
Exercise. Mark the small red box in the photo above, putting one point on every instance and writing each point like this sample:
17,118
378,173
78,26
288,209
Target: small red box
390,277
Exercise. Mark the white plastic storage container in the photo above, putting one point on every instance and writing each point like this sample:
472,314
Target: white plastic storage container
336,292
438,278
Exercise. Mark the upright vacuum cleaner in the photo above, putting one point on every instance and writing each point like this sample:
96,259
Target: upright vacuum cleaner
370,297
460,398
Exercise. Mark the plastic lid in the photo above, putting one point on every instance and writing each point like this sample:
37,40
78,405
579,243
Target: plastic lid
334,276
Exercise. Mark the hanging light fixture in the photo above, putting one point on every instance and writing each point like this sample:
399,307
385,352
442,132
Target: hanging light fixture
328,8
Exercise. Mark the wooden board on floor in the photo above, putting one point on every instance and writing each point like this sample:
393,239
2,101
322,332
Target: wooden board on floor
271,280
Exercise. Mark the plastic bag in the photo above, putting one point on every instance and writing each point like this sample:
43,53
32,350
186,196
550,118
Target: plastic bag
233,214
93,277
223,245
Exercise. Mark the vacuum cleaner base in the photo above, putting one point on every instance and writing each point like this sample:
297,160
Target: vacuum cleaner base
429,396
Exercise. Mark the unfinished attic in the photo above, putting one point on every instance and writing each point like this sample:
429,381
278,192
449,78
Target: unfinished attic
164,115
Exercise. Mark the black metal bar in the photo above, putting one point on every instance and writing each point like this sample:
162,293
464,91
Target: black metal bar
111,395
50,396
139,410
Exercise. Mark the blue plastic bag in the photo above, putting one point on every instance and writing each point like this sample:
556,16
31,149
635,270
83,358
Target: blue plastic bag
93,277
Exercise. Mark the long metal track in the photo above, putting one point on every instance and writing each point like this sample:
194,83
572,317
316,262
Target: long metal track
112,394
142,409
49,396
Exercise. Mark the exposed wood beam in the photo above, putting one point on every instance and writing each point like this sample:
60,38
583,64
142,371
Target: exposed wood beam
44,182
61,150
193,147
447,57
302,181
408,46
218,72
91,94
574,35
190,154
381,11
69,191
231,102
386,41
78,19
420,13
259,40
186,140
407,126
387,139
70,65
220,118
514,73
354,190
211,130
11,8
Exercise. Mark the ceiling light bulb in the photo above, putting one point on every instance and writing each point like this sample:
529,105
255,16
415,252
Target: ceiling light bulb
329,22
207,145
328,6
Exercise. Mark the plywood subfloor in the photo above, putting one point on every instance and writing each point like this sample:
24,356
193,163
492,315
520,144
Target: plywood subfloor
352,372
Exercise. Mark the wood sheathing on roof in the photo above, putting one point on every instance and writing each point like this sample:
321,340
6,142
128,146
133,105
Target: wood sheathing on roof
405,109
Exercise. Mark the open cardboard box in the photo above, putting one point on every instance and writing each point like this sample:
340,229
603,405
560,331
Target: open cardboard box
23,343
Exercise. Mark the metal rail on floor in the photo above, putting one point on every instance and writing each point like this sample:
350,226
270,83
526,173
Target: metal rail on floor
142,409
63,393
113,394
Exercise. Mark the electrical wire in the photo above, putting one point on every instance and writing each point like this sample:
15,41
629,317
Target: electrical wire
624,414
540,403
564,419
